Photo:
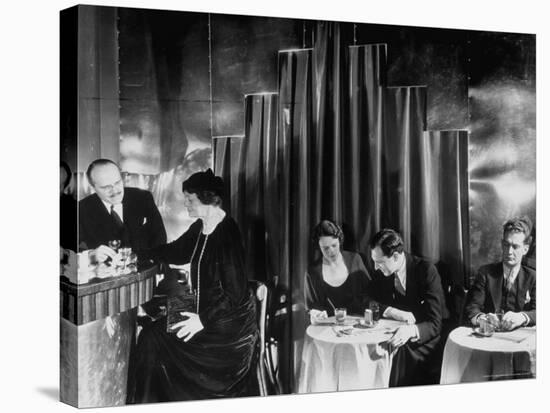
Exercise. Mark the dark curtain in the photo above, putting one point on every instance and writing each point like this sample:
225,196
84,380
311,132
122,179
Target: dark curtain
336,142
362,145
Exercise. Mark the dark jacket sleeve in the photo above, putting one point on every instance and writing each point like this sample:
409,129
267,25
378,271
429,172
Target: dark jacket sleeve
231,270
432,306
475,300
531,307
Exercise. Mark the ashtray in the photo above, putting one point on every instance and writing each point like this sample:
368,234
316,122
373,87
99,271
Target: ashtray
477,331
362,324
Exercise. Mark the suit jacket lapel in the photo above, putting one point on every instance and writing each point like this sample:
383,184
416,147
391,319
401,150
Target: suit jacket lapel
104,219
522,288
495,286
410,284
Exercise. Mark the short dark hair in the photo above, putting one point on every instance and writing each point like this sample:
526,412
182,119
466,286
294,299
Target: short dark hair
67,169
207,187
327,228
96,163
521,225
388,240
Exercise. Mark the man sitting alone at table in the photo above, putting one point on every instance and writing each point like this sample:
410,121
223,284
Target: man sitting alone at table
408,289
507,285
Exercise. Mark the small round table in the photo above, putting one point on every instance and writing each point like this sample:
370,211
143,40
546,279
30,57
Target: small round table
337,362
505,355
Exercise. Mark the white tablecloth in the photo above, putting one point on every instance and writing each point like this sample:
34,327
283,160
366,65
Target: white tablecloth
349,362
506,355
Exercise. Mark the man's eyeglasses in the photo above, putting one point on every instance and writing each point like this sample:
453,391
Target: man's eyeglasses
110,188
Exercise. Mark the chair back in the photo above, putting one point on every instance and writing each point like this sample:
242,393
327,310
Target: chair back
260,291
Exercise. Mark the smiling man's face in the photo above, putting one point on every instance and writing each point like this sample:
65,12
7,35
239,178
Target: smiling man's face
107,182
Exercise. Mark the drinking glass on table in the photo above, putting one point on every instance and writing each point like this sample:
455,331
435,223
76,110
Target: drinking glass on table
123,254
375,308
499,314
340,315
114,244
131,262
486,326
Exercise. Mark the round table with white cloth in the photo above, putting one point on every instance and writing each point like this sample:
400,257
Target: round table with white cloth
336,358
505,355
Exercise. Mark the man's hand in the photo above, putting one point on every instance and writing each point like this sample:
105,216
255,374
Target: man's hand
102,253
188,328
400,315
401,336
511,320
316,315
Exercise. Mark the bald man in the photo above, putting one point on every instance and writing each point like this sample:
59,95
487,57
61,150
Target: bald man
117,213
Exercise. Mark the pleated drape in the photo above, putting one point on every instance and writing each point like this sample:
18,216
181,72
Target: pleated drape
336,142
404,123
362,146
296,103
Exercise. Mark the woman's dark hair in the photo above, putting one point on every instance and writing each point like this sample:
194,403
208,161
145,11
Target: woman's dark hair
207,187
327,228
388,240
65,166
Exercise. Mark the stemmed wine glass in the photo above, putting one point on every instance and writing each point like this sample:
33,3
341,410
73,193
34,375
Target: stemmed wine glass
114,244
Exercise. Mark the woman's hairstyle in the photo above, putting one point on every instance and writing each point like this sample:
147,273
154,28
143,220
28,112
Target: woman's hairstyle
388,240
67,169
207,187
327,228
520,225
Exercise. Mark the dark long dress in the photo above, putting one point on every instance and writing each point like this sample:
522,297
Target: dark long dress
352,294
217,361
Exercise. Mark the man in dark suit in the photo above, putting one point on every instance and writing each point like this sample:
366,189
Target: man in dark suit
117,213
507,285
408,289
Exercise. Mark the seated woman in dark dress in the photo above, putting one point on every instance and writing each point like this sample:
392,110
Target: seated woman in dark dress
209,354
338,279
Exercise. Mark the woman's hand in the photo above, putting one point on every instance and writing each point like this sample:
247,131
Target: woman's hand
188,328
316,315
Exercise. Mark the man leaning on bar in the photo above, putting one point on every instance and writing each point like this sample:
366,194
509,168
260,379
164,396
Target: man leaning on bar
506,286
117,213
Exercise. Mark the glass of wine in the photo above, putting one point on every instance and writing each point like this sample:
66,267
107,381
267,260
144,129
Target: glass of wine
375,308
500,314
131,262
114,244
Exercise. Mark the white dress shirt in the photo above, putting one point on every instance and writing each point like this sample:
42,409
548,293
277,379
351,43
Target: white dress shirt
117,208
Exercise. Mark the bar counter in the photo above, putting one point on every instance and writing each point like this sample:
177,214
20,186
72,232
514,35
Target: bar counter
94,358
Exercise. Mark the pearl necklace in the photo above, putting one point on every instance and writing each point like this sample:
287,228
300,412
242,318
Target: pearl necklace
199,265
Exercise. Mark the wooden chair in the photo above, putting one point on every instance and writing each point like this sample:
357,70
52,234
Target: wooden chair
265,370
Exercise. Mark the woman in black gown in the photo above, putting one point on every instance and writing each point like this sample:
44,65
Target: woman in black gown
338,279
210,354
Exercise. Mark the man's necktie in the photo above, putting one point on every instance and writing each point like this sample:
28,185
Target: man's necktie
397,284
116,217
509,283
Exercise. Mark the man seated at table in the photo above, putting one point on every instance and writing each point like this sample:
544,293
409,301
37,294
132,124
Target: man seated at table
506,285
408,289
117,213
